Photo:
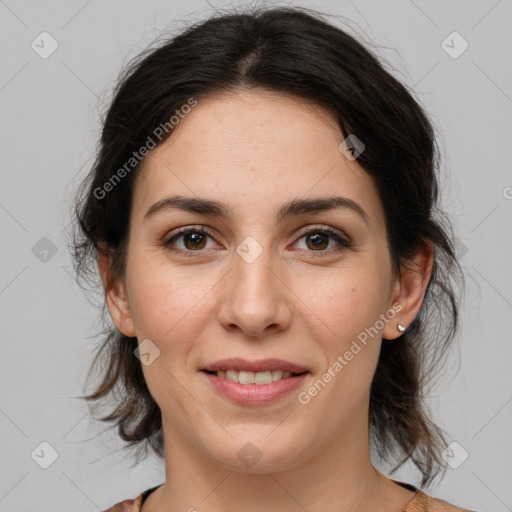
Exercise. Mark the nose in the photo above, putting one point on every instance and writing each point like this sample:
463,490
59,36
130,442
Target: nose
254,296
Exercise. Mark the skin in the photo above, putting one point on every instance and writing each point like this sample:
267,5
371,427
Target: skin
255,150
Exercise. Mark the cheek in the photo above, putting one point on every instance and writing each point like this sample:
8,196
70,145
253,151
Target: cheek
342,310
344,301
168,305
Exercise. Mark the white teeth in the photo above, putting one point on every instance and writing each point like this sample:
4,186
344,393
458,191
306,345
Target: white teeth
243,377
232,375
263,378
246,377
277,375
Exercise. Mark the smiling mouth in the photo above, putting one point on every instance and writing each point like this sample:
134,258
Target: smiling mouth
260,378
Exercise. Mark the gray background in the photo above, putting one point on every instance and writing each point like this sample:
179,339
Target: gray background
49,126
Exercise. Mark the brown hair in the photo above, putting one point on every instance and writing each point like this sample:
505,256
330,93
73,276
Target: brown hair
293,51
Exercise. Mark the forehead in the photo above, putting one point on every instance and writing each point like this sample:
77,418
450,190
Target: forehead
254,122
252,147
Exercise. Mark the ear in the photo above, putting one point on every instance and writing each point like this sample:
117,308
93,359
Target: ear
409,289
116,296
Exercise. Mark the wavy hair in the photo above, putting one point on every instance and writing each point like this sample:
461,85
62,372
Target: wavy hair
292,51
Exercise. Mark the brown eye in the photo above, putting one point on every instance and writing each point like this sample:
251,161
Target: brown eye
193,240
196,240
318,240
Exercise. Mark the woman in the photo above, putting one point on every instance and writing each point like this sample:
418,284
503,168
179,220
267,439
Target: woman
262,211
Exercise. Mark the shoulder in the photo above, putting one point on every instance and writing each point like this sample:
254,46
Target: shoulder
133,504
422,502
129,505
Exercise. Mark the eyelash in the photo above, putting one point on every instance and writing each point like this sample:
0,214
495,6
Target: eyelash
344,243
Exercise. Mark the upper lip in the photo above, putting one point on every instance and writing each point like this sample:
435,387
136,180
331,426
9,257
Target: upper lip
237,363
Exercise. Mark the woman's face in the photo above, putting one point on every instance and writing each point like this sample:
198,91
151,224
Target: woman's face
259,285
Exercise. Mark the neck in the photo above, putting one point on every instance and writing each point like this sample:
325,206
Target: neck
340,472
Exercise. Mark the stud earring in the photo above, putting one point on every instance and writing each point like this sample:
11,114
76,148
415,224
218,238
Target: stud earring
401,327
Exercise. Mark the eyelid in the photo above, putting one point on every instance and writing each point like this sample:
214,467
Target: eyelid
198,228
323,227
344,241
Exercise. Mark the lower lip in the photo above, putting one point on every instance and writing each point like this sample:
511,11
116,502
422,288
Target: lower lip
255,394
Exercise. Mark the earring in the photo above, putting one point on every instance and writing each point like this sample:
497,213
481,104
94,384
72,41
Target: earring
401,327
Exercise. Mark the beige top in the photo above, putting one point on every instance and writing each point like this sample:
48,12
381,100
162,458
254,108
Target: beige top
420,502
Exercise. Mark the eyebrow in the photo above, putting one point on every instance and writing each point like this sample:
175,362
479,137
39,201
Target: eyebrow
292,208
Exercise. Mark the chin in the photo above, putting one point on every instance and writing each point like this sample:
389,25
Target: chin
255,454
